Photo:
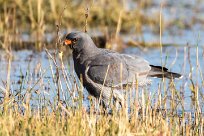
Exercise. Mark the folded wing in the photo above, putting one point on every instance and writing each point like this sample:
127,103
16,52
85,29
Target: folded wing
122,69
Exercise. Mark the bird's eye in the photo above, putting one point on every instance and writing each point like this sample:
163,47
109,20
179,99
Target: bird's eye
74,40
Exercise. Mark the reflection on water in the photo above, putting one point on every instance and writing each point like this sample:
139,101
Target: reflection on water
33,71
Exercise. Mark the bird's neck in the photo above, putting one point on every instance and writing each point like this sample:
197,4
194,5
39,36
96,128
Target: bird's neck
82,55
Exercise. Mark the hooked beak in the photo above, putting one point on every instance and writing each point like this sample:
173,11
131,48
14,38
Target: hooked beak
67,42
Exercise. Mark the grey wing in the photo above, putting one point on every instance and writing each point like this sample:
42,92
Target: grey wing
122,69
137,68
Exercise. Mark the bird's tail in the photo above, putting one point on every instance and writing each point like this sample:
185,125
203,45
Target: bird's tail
160,72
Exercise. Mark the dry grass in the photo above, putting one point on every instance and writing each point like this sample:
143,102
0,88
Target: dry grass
29,111
38,17
23,14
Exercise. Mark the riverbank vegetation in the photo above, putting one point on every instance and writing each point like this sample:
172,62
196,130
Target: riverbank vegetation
50,100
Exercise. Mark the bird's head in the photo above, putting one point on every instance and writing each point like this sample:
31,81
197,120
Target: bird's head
78,41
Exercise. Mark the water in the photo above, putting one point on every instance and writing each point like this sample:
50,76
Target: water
28,67
177,59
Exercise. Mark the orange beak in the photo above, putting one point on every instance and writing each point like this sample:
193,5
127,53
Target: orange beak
67,42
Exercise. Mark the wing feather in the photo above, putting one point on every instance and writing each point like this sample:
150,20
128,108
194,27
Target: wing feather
122,68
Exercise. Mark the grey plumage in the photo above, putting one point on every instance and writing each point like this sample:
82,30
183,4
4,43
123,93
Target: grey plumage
92,64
